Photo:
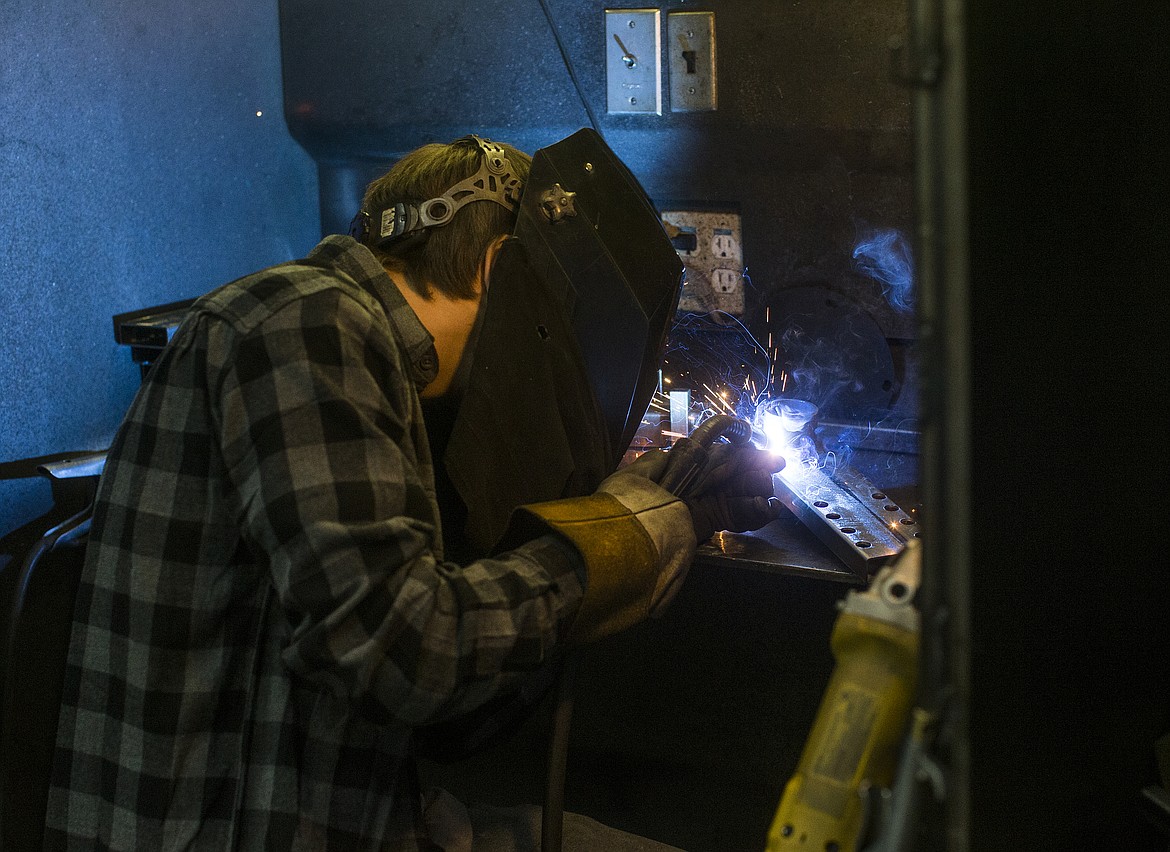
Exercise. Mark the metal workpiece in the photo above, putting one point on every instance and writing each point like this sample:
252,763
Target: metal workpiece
902,523
785,546
855,519
680,413
84,464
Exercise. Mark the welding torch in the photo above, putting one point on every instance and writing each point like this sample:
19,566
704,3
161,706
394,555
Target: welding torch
689,455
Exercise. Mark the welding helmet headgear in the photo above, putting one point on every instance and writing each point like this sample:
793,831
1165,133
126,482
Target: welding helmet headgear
570,337
495,180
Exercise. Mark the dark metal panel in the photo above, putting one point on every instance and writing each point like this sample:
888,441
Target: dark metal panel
1044,461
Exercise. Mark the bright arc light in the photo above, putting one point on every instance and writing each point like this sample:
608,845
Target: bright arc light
797,449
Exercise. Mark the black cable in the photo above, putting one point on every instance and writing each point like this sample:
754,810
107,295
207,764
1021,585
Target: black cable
735,430
69,531
692,451
569,67
63,533
553,817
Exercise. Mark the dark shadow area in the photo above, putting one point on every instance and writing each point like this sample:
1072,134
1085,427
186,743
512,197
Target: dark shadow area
685,729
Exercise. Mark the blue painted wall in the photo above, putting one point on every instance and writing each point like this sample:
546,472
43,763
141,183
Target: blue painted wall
144,159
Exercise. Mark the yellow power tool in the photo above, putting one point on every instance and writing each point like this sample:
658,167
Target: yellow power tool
854,742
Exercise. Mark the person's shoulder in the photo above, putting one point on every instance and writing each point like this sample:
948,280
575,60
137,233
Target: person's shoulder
249,301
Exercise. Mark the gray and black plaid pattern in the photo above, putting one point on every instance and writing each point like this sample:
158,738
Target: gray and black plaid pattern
265,611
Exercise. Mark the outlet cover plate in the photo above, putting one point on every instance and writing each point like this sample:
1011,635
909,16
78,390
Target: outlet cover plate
710,246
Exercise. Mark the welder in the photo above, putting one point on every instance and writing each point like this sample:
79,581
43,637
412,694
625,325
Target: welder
364,496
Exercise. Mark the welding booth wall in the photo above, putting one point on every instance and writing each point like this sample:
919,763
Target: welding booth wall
809,141
144,159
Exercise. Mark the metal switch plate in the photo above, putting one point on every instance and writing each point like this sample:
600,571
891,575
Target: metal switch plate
633,61
690,46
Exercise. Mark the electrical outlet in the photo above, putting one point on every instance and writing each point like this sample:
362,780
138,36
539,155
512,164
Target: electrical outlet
633,61
724,244
727,281
709,244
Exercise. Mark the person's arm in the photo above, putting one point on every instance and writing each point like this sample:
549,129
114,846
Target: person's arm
318,429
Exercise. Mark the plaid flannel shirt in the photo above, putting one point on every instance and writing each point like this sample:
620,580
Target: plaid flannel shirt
265,611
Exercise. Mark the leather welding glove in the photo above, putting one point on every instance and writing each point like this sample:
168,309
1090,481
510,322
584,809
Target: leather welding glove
637,539
725,486
732,490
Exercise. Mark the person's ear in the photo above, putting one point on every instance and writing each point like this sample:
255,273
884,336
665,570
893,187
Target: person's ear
489,258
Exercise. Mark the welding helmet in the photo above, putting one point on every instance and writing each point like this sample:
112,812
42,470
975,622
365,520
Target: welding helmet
566,351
